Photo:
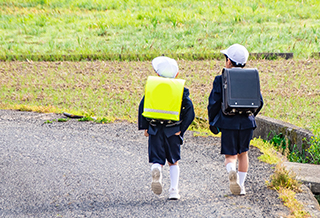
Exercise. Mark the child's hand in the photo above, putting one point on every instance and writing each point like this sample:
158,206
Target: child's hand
178,133
146,134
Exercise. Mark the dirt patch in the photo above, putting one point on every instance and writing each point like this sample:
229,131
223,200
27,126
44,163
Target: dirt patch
290,87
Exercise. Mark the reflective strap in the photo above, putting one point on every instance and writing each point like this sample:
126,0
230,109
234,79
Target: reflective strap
161,111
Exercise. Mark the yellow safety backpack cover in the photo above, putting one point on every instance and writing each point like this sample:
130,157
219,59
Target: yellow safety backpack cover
163,98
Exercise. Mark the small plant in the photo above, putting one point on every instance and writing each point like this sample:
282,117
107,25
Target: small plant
289,200
49,121
62,120
283,178
279,141
269,155
318,198
200,127
86,119
296,156
285,183
314,150
103,120
254,7
25,108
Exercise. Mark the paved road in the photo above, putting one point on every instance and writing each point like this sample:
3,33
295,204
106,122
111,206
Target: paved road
84,169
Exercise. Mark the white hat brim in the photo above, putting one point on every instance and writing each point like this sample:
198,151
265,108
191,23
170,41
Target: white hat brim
224,52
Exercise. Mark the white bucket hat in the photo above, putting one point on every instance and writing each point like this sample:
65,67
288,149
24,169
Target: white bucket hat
165,67
237,53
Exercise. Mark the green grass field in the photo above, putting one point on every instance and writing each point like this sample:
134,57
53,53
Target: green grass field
140,26
113,89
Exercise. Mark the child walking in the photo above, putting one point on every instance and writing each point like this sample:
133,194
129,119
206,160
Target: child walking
166,134
236,130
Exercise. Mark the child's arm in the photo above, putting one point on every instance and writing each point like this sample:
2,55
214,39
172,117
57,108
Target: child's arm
215,99
187,114
258,110
142,122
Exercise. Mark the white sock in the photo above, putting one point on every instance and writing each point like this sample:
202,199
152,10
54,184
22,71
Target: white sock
174,176
231,166
242,177
157,166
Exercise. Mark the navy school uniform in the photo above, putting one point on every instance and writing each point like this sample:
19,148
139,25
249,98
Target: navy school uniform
237,130
163,144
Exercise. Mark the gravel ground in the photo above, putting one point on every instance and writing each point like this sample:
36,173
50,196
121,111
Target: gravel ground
84,169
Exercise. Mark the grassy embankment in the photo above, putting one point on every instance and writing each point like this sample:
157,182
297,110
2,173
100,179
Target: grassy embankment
130,27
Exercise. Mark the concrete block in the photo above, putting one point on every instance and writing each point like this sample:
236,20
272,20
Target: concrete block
295,134
309,174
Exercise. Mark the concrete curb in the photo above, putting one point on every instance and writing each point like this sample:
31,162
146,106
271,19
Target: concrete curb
295,134
306,173
310,203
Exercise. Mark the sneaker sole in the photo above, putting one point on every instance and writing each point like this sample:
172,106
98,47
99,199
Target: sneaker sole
234,186
156,186
176,197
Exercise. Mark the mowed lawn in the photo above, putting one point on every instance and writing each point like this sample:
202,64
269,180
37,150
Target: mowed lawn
163,27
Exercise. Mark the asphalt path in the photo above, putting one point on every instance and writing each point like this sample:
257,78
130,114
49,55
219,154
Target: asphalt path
85,169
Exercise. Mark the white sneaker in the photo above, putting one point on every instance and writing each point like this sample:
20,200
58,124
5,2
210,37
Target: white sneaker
234,182
243,190
156,184
174,194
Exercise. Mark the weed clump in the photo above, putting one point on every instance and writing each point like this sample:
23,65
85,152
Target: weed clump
314,150
292,153
269,155
285,183
282,178
296,208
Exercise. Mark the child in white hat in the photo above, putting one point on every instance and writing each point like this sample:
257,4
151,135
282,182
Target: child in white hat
236,130
166,136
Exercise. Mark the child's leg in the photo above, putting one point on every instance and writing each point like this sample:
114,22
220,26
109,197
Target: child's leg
174,178
157,157
243,162
173,144
230,162
245,137
174,175
243,169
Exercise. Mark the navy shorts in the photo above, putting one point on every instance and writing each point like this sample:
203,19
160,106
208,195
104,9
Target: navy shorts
235,142
162,148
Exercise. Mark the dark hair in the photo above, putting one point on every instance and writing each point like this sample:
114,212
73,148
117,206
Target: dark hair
234,64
